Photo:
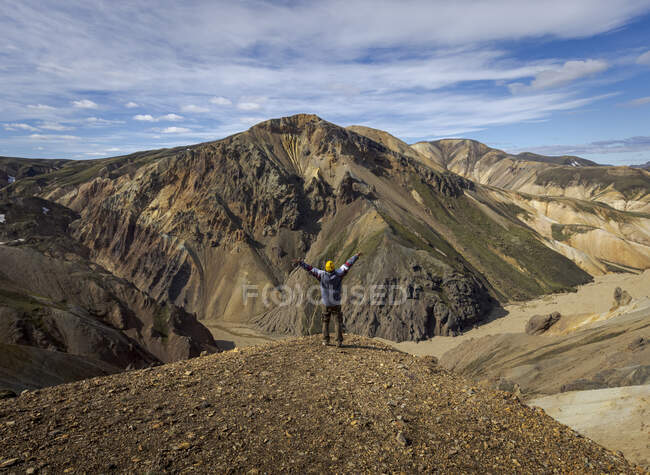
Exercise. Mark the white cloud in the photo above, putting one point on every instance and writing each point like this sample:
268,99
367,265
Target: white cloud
19,126
84,104
559,76
150,118
144,118
248,106
131,105
644,58
601,147
192,108
175,130
53,137
41,107
220,101
54,126
98,121
638,102
171,117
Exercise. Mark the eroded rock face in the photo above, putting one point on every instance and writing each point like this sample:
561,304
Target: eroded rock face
52,297
538,324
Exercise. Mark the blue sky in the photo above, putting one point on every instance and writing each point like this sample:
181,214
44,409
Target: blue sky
86,79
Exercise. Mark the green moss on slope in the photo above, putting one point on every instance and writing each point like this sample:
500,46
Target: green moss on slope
513,259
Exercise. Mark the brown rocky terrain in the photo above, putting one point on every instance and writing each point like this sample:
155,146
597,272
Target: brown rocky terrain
362,408
622,188
587,363
578,213
53,298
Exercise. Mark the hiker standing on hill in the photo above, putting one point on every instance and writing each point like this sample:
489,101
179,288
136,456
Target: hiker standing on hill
330,290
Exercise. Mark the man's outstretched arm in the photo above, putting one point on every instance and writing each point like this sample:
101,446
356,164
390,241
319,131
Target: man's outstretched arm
311,269
341,271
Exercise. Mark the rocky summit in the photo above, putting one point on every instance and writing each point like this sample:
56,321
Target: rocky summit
293,406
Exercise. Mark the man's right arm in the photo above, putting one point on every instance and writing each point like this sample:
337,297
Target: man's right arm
311,269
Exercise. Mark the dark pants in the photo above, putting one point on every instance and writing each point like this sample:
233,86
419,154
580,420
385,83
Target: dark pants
338,322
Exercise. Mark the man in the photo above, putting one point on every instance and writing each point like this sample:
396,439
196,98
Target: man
330,290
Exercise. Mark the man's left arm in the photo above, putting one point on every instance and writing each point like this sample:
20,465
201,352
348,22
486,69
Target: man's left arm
341,271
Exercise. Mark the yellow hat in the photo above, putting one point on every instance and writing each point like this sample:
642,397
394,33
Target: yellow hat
329,266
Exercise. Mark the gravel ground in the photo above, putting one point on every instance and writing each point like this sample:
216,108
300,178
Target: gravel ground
292,406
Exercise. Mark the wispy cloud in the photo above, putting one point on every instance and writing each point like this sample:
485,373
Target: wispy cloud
638,102
175,130
171,117
51,137
41,107
562,75
644,58
98,121
55,126
614,146
220,101
84,104
192,108
19,126
150,118
144,117
248,106
131,105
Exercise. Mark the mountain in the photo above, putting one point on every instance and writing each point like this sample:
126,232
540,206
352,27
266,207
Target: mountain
645,166
53,298
622,188
191,226
592,228
12,169
364,408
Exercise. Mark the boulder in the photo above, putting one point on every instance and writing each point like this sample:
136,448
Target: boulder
621,298
538,324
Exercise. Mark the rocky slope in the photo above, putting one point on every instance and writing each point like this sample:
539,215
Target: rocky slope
363,408
53,298
587,229
612,354
193,225
595,412
622,188
12,169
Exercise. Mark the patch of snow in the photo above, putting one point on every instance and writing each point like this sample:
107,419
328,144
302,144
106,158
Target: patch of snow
12,179
46,210
2,218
